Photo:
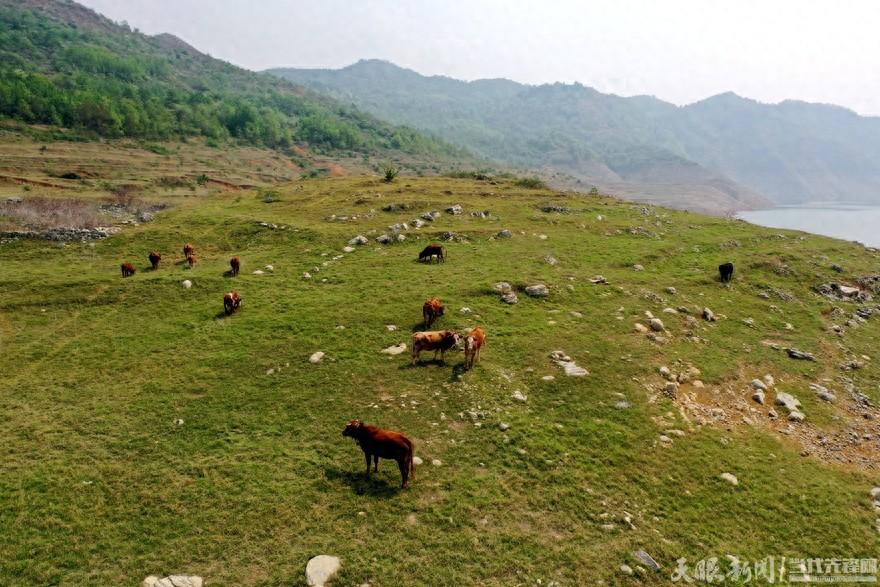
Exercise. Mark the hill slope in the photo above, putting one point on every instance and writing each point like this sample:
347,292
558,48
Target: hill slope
790,152
62,64
144,433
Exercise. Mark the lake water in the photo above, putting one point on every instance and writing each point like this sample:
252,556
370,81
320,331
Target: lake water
848,222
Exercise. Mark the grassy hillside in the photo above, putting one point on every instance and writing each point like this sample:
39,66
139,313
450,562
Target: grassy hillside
63,65
145,433
727,147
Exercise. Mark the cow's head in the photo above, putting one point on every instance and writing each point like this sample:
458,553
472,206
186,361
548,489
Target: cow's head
441,309
454,337
352,428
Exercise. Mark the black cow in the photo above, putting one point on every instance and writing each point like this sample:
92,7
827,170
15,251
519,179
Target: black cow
432,251
726,271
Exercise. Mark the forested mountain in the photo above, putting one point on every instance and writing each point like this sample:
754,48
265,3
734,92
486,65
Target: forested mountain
789,152
64,65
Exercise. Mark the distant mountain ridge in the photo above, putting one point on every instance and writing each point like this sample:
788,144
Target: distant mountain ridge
737,151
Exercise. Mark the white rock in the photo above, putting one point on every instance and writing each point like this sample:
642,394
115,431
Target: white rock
501,286
708,315
186,283
664,372
572,369
518,396
390,327
322,569
307,275
503,426
258,272
757,384
509,297
269,268
348,249
359,240
638,267
548,378
769,381
730,478
875,492
796,416
758,396
417,461
671,291
640,328
626,569
395,349
173,581
657,325
465,310
790,402
179,421
436,462
316,357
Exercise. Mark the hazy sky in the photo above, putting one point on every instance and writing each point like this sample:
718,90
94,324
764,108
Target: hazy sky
677,50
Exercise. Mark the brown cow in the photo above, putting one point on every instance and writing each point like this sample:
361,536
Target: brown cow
432,251
191,260
155,257
376,443
437,341
127,269
473,342
431,310
231,302
235,264
188,250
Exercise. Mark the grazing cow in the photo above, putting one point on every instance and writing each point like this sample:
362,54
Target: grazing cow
376,443
190,260
127,269
726,271
235,264
188,250
432,251
437,341
231,302
473,342
155,257
431,310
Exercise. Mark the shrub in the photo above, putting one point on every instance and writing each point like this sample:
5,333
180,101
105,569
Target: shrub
532,183
390,172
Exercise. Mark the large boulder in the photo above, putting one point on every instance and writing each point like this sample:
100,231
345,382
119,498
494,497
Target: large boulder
359,240
539,290
173,581
321,569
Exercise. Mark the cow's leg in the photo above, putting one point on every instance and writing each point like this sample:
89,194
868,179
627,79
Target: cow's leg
404,471
367,456
375,463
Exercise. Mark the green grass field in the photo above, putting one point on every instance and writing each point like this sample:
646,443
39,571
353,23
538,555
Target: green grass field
102,485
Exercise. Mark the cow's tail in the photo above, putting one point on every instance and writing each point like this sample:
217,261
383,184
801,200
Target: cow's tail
409,458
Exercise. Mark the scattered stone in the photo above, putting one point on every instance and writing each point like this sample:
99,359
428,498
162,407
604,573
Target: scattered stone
599,280
729,477
503,426
641,328
823,392
455,210
671,389
772,413
518,396
505,234
173,581
665,372
670,311
539,290
186,283
307,275
465,310
359,240
796,416
758,396
626,569
647,559
384,239
787,400
401,238
551,260
657,325
665,439
436,462
394,349
316,357
671,290
269,268
708,315
759,385
548,378
417,461
769,381
178,422
621,404
390,327
638,267
322,569
258,272
348,249
510,297
501,286
799,355
431,216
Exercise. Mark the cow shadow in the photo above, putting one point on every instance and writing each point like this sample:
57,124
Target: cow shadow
458,371
228,273
420,326
374,486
